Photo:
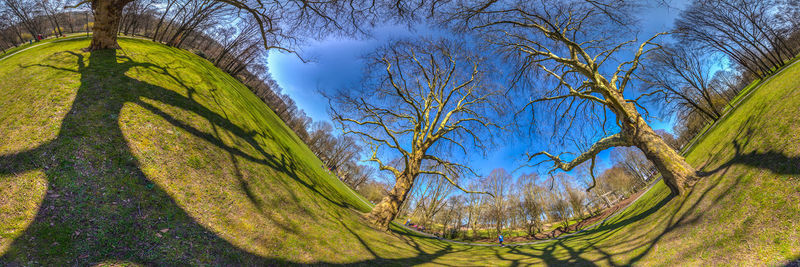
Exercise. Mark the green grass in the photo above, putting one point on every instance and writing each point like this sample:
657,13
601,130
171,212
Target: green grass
152,156
102,151
28,44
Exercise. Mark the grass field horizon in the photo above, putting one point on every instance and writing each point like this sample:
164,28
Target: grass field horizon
150,155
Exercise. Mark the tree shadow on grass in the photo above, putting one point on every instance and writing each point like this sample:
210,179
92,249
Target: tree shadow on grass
775,161
99,205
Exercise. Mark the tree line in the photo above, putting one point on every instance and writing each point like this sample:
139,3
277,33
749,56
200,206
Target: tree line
757,38
521,205
205,28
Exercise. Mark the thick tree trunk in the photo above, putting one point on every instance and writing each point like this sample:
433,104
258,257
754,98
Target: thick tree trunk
677,174
385,212
107,14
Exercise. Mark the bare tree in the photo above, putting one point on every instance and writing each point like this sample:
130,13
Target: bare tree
452,216
432,197
559,40
25,11
475,203
751,33
498,184
575,197
634,162
557,207
51,9
531,205
422,102
683,76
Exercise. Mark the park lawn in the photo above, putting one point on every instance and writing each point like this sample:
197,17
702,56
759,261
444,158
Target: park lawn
154,156
150,155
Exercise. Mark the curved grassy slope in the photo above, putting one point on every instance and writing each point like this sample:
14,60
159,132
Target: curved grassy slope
153,156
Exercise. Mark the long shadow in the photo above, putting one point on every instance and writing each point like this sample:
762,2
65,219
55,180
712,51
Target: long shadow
774,161
99,205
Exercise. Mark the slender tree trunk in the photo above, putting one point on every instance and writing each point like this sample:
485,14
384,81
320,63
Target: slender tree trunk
385,212
107,14
161,20
70,23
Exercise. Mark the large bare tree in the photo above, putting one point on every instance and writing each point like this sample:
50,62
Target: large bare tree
422,103
572,43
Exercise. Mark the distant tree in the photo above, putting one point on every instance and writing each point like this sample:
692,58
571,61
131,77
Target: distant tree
617,179
452,215
575,197
531,204
474,208
432,197
422,102
498,184
51,9
373,191
26,12
633,161
752,33
682,76
558,209
669,139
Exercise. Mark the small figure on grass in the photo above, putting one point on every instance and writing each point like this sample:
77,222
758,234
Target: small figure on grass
500,238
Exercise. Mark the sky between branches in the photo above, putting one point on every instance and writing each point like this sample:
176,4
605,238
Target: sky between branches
336,63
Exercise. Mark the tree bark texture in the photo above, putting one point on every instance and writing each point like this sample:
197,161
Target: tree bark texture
107,15
385,212
677,174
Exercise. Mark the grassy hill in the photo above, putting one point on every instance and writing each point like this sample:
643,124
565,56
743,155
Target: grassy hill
150,155
153,155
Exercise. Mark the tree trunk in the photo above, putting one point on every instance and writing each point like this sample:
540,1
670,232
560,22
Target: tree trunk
385,212
677,174
107,14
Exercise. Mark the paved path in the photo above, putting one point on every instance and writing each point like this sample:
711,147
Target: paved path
43,43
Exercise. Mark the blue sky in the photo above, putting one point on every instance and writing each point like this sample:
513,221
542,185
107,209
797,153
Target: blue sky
336,63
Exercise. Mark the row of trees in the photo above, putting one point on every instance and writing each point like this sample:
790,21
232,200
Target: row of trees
525,203
203,27
756,37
